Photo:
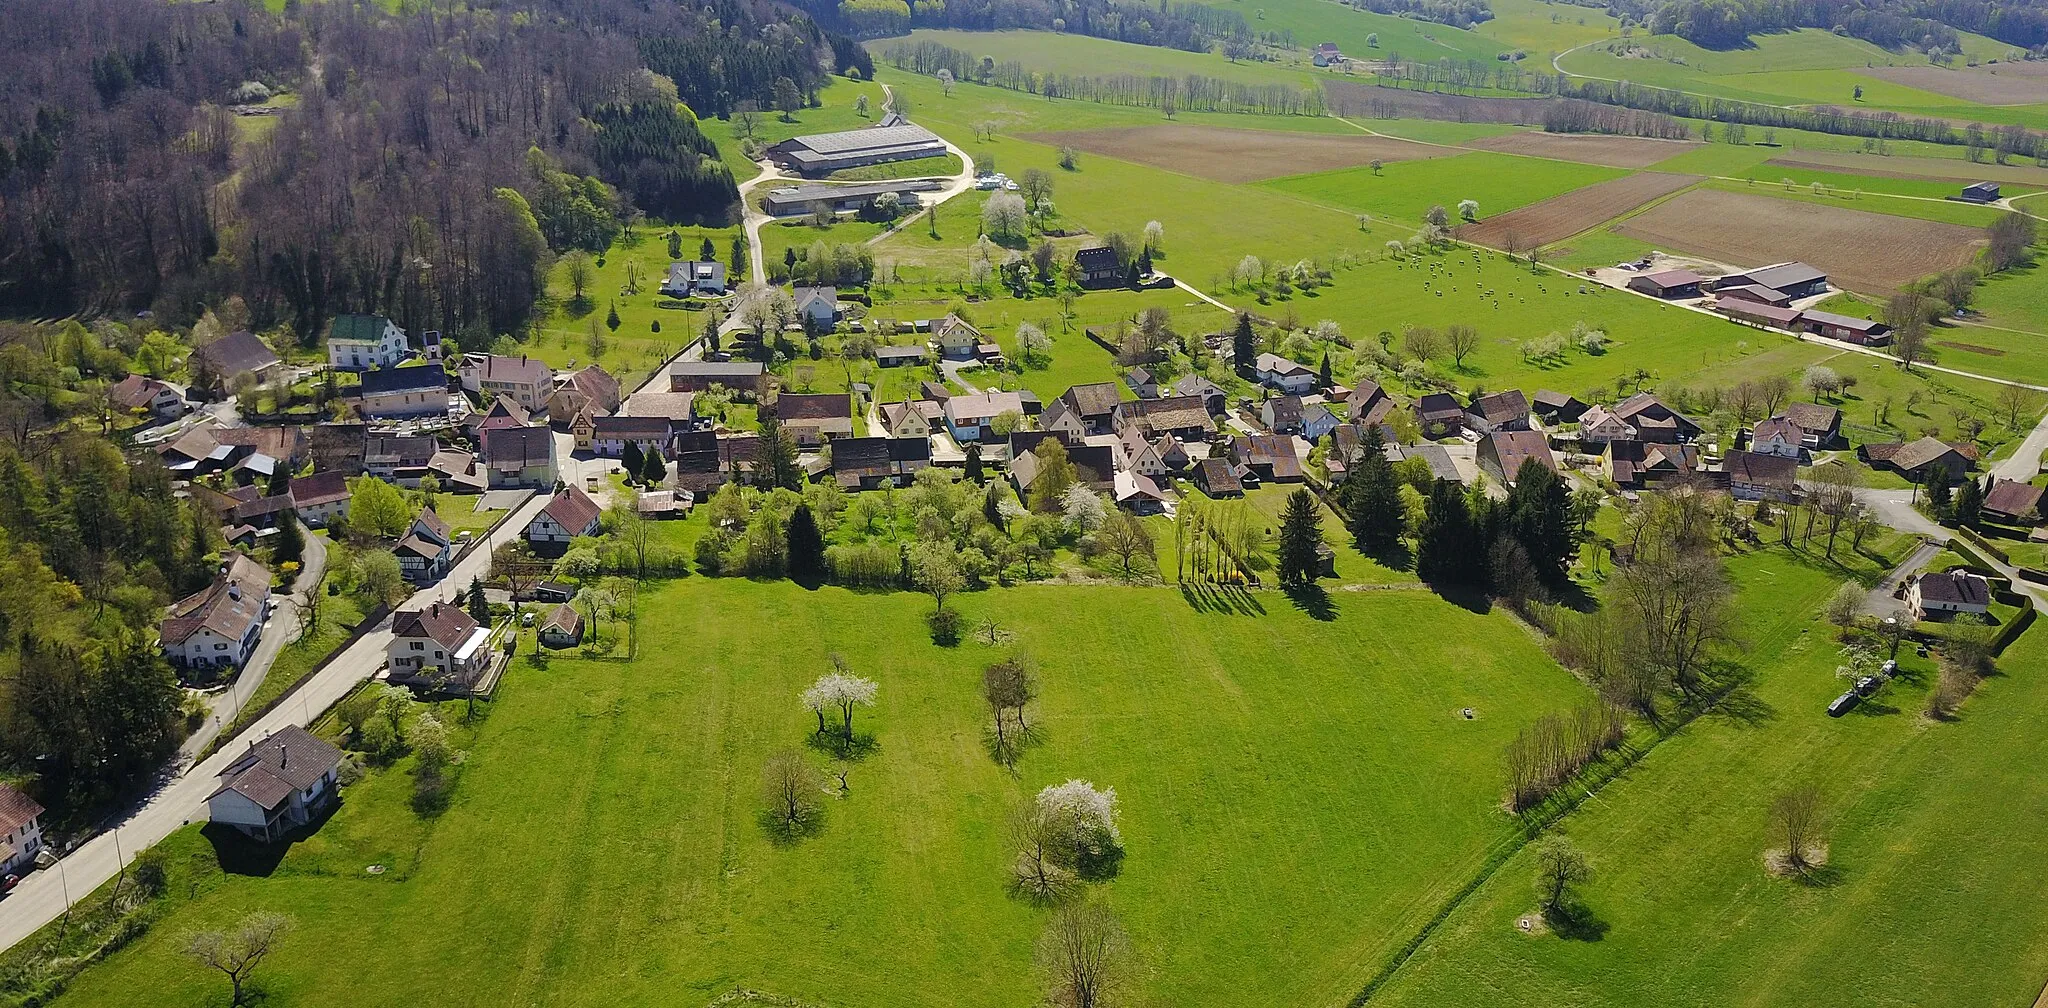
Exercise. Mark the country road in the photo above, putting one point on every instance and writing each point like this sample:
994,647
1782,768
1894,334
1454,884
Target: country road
46,894
281,628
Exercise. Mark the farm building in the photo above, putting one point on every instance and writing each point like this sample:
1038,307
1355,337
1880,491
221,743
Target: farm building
1502,453
1439,415
1215,478
1655,421
1327,54
1640,465
1792,279
1669,284
2008,500
1918,460
813,418
1098,268
1751,293
1778,436
1757,313
829,152
1558,407
1755,476
1980,192
1818,425
868,462
1847,328
1949,592
793,200
1501,411
901,356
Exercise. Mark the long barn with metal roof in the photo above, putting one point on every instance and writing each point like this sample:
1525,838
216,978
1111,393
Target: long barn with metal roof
830,152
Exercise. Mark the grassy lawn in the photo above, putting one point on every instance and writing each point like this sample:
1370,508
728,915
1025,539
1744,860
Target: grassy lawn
1433,131
2017,298
1056,53
339,615
634,350
1852,185
1929,830
1314,21
1546,28
638,872
836,111
1405,190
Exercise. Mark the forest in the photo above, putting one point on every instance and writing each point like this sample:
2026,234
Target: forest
1926,25
426,165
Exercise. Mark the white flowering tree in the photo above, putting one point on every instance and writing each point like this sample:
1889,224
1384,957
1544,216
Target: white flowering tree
1084,815
841,691
1034,348
1083,508
1003,216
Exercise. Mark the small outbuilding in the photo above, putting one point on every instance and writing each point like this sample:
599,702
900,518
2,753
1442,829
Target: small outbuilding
1671,284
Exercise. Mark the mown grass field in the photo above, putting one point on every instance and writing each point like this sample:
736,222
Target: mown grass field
1405,190
603,846
1314,21
635,349
1086,56
1918,904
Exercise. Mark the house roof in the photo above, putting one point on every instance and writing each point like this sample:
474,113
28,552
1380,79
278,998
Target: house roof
1438,406
262,507
457,468
16,809
423,548
236,353
598,384
1197,385
2012,498
411,378
1283,411
1917,454
1672,277
717,369
806,296
1752,292
228,613
902,352
1644,409
953,328
518,446
522,370
675,407
1276,450
358,328
1781,428
1849,322
1095,399
1127,486
1280,365
290,759
135,391
1552,402
288,442
1813,417
1216,476
1100,257
1777,315
819,406
444,624
639,428
1513,448
982,406
400,450
1779,276
1957,587
1501,407
564,619
432,521
1761,470
504,412
319,488
1168,413
572,509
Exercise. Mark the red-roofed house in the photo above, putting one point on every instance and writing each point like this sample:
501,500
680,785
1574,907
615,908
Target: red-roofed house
217,626
436,647
572,513
21,830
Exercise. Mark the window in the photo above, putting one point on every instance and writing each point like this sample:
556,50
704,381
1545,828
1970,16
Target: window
220,647
417,646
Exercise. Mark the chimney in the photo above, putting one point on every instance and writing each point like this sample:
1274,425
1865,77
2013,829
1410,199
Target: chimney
235,592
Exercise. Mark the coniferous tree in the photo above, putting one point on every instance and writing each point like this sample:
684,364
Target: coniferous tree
1244,343
1447,539
1371,495
1301,537
632,460
289,546
1538,515
1969,503
776,466
1938,494
806,546
974,462
654,468
280,482
479,606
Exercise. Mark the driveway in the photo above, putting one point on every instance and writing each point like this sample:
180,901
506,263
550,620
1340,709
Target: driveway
279,629
40,898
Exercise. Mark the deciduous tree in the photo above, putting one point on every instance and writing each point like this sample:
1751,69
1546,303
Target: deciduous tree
237,955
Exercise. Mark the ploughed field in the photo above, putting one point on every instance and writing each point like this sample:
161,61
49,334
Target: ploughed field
1869,252
2005,84
1612,151
1915,167
1580,210
1237,155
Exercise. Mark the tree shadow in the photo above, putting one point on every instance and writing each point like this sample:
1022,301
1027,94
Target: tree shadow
1203,596
1099,866
1733,699
839,747
783,832
1574,921
240,854
1313,600
1014,745
1463,596
578,307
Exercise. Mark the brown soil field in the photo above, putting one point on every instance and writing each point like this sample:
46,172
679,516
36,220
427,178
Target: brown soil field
1866,252
1369,101
1561,217
2000,85
1913,167
1612,151
1238,155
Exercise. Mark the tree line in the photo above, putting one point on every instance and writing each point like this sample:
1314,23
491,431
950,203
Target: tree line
1456,13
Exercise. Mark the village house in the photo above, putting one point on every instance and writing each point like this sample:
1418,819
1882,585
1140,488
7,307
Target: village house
283,782
570,514
1281,414
913,418
865,463
1062,417
817,307
338,447
1326,54
1097,268
696,277
427,549
217,626
1920,460
1502,453
1439,415
1137,493
137,392
748,379
457,472
957,338
2013,502
1557,407
1185,418
1267,458
697,461
524,380
1368,404
261,512
1780,437
662,505
227,359
503,412
594,385
21,830
437,648
1214,399
1094,404
518,458
813,418
1347,446
678,408
1598,425
1094,467
362,342
1819,426
320,497
1671,284
1501,411
1939,595
417,390
563,627
1151,457
609,435
398,458
1216,477
1647,465
1755,476
902,356
1283,375
972,417
1142,382
1653,421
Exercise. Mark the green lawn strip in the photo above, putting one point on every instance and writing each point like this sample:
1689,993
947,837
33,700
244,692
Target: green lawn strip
1196,717
2016,298
1849,184
1405,39
339,615
1925,838
634,350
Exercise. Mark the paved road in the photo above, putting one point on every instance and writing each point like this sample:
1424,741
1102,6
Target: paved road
1895,508
281,629
2025,462
181,799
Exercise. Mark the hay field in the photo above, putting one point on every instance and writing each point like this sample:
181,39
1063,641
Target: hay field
1237,155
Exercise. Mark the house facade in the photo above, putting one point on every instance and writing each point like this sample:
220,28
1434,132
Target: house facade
436,648
563,627
320,497
362,342
609,435
1283,375
1948,593
427,550
218,626
519,458
418,390
689,278
571,514
522,379
21,830
282,783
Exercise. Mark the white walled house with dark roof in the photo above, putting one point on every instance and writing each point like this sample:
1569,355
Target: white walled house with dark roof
570,514
362,342
1948,593
524,380
282,782
436,648
217,627
418,390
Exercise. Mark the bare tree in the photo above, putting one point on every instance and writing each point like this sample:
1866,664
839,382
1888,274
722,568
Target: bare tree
1462,340
1774,390
1085,954
791,787
1795,822
1421,342
1909,342
238,955
2016,403
1036,835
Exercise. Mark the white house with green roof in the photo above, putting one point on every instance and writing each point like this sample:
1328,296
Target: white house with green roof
362,342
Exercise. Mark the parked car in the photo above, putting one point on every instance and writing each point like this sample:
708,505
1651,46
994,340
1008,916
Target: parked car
526,619
1844,704
8,882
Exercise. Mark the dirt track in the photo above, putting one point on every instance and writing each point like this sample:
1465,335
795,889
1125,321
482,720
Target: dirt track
1238,155
1561,217
1612,151
1867,252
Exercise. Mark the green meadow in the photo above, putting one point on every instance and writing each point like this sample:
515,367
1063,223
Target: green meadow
1405,190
